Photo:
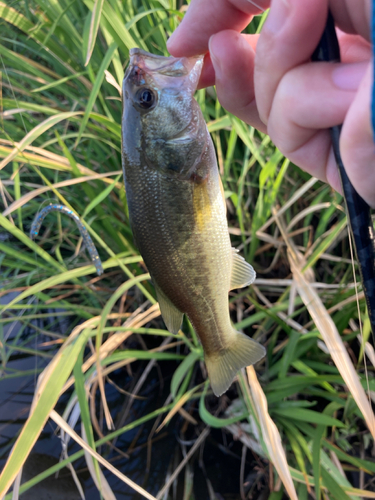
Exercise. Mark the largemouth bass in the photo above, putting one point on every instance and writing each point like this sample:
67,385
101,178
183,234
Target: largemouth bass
177,209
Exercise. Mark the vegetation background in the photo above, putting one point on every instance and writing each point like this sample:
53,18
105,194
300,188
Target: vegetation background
300,424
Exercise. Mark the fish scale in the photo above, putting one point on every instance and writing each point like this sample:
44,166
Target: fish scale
171,243
177,209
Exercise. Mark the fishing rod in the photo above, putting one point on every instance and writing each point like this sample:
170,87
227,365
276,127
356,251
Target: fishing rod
358,211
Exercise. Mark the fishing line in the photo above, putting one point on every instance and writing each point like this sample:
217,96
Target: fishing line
363,342
90,246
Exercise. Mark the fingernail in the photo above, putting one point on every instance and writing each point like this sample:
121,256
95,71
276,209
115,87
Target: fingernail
214,58
349,76
277,15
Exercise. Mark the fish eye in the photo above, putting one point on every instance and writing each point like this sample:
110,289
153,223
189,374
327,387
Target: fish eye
145,98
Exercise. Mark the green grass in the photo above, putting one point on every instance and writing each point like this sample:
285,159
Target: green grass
60,141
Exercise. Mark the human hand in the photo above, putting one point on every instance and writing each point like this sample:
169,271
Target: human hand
279,91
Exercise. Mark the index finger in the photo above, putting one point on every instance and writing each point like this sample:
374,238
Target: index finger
207,17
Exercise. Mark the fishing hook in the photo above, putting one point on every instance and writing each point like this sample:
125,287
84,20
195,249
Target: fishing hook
358,211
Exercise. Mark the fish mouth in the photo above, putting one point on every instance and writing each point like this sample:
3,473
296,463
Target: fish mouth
163,71
164,65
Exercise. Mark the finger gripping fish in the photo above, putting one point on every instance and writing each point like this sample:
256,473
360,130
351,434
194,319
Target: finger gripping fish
177,209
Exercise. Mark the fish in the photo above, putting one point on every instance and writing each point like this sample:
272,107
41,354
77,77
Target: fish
177,209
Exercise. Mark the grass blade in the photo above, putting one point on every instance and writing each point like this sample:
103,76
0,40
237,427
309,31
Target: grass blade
94,26
50,383
182,370
20,235
213,421
328,330
101,196
69,182
270,434
335,345
95,90
36,132
61,423
308,416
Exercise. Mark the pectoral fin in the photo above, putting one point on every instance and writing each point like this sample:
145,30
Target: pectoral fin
242,273
171,315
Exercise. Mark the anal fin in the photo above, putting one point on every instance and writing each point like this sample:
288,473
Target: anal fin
243,273
171,315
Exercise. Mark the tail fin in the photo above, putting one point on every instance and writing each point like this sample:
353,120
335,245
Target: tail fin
223,366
